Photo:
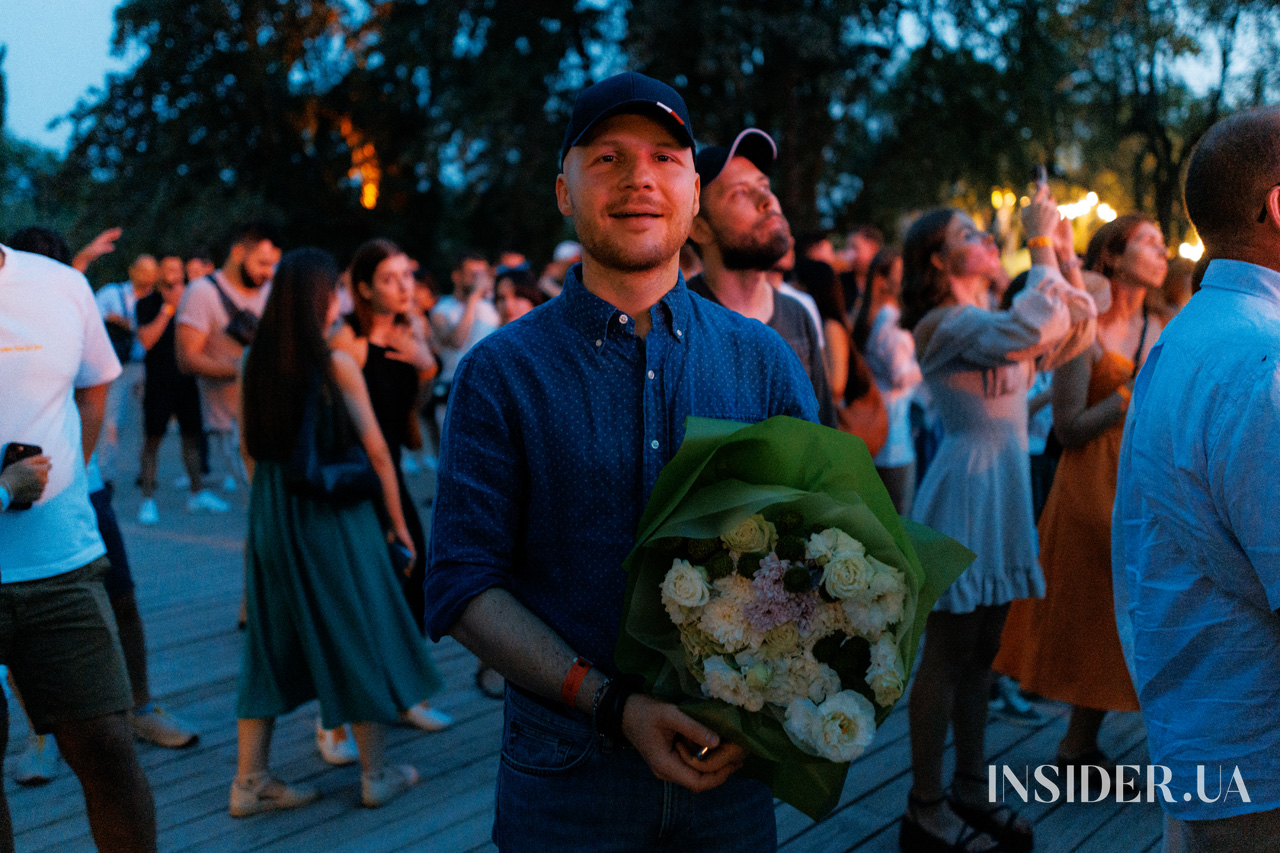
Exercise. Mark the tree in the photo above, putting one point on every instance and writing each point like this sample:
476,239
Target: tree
798,69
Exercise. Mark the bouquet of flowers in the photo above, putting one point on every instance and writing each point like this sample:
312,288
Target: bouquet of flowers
777,597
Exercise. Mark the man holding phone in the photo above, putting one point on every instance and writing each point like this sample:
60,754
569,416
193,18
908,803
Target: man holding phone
57,634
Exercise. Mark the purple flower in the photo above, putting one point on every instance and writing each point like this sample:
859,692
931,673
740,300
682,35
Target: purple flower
773,605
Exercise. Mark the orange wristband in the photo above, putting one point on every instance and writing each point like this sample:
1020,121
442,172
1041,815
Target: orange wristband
1041,242
573,681
1126,394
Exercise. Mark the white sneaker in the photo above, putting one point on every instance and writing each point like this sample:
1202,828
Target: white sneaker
425,718
229,484
337,746
206,501
183,482
38,763
148,513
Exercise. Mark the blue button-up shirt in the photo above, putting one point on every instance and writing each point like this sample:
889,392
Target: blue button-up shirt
1196,543
557,428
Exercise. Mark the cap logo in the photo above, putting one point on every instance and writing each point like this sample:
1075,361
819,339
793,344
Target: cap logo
670,111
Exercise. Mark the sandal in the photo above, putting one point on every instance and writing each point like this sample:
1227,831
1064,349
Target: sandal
997,820
914,838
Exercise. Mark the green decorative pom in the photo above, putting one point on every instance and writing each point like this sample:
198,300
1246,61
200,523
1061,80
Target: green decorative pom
797,580
749,564
719,565
790,547
701,549
670,546
788,521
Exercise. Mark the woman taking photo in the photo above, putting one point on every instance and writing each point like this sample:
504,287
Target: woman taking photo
1042,646
325,617
977,365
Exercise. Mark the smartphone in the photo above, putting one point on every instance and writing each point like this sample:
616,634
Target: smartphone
16,452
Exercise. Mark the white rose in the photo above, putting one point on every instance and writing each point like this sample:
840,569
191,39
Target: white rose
752,535
782,640
847,574
886,675
847,725
685,585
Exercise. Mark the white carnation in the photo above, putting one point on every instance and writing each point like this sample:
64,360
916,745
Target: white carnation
881,604
825,545
886,675
725,683
726,623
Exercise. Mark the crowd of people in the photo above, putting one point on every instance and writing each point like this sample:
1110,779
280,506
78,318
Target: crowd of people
997,412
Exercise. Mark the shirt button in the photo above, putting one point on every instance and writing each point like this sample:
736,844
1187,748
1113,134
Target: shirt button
623,319
654,444
599,342
650,374
679,334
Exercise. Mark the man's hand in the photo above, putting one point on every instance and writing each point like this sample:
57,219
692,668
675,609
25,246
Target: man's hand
668,739
26,479
103,244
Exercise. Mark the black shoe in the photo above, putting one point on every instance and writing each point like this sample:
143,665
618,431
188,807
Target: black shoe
995,819
914,838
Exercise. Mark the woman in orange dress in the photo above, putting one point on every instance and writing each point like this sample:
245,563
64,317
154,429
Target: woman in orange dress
1065,646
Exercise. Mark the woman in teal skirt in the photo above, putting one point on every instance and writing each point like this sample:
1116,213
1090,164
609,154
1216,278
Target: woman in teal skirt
326,619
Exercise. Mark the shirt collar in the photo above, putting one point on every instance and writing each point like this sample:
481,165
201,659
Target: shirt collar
1243,277
591,315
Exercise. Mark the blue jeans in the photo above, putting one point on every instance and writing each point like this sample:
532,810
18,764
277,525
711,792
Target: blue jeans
560,788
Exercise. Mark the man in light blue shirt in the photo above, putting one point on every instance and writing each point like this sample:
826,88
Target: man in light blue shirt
1196,542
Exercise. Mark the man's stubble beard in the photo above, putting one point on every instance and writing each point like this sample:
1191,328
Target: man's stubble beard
753,252
248,280
628,259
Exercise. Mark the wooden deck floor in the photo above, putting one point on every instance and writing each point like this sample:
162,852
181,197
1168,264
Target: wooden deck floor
188,570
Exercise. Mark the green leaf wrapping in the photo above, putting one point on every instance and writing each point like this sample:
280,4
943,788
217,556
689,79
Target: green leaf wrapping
723,473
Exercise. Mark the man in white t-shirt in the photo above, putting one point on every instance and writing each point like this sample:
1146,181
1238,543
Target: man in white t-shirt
210,345
461,319
57,634
118,305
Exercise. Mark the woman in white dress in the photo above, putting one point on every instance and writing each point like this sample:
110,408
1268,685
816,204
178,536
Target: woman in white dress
977,366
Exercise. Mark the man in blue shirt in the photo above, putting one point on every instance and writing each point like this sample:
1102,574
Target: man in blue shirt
1196,530
557,429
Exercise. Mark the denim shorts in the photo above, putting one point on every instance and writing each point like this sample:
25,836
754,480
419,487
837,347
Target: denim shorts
561,788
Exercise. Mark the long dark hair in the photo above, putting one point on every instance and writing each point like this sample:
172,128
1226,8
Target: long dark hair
289,352
1111,240
881,266
924,287
363,265
822,283
819,280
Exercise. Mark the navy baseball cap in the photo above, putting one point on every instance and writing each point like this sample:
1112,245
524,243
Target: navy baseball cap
627,93
753,143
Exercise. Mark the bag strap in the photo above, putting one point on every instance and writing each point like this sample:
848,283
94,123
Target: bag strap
231,308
